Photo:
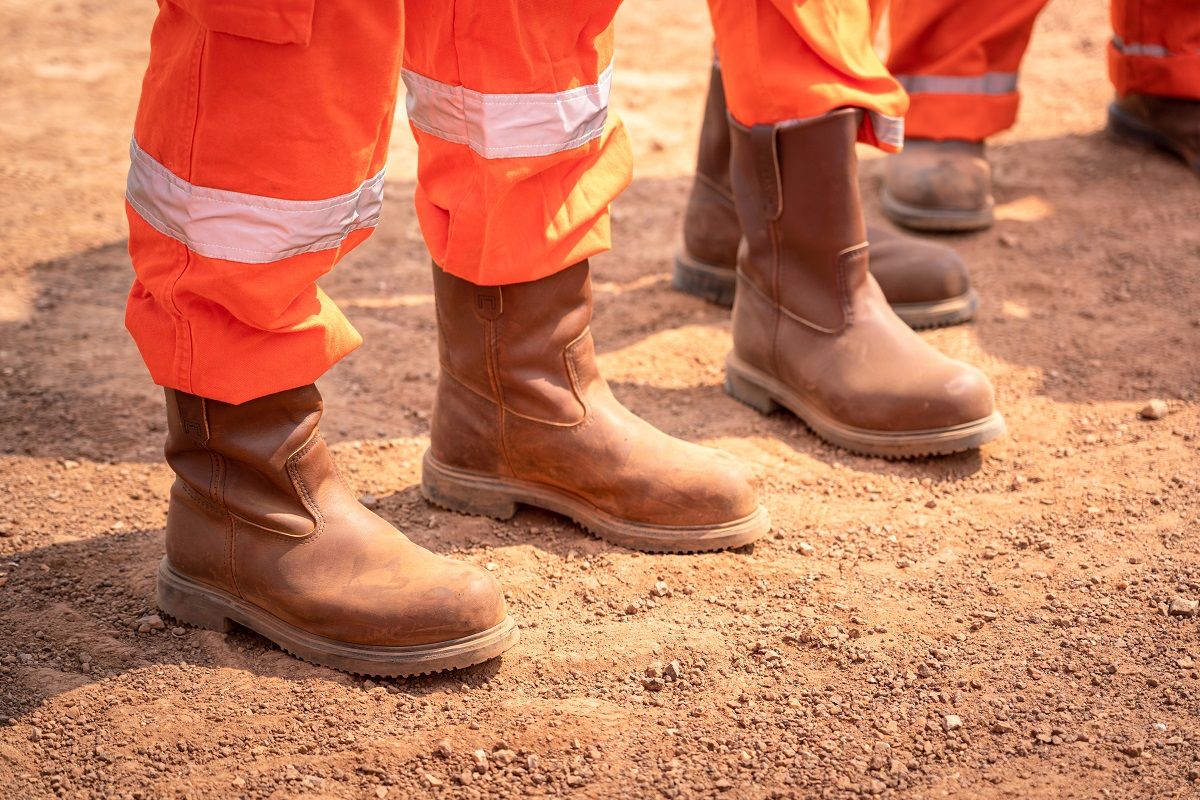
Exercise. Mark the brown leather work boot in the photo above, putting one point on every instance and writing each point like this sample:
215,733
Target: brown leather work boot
1171,124
262,532
939,186
811,329
523,416
926,283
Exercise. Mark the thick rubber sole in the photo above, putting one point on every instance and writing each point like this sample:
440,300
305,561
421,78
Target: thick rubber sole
482,495
718,285
766,395
1133,131
711,282
942,220
213,609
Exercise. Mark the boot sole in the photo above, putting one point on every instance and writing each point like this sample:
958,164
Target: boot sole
718,285
482,495
213,609
952,220
766,395
715,284
1131,130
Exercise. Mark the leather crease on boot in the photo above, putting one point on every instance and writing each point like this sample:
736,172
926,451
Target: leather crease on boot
523,416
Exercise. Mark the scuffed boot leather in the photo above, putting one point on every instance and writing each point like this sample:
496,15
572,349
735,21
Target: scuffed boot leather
261,531
1171,124
926,283
939,186
811,329
523,416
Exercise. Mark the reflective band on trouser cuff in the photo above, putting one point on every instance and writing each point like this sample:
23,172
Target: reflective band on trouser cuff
1135,49
988,83
508,125
888,130
245,227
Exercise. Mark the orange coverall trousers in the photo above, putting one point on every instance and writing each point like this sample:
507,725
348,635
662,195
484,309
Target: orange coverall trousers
959,60
261,137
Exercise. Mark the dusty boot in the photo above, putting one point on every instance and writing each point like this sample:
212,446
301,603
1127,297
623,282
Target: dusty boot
262,532
939,186
811,329
926,283
523,416
1168,123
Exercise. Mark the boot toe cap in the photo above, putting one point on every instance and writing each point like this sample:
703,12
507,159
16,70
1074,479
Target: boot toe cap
948,179
919,272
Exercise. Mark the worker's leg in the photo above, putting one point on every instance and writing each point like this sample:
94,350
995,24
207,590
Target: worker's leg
812,332
519,159
1154,63
257,163
959,63
519,156
784,61
258,158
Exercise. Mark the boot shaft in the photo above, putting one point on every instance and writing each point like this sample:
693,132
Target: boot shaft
261,461
526,347
710,225
797,196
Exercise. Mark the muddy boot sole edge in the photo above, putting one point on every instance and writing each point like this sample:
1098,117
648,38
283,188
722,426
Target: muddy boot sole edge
945,220
474,493
207,607
766,395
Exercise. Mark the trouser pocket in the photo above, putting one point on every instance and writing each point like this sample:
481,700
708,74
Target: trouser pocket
272,21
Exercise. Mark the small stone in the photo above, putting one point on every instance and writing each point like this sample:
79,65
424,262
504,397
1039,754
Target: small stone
673,671
952,722
70,464
443,749
931,504
177,631
575,780
433,780
660,589
1002,727
1008,240
1183,607
369,500
630,609
1132,749
150,622
653,684
480,758
381,792
1185,663
1155,409
806,549
238,782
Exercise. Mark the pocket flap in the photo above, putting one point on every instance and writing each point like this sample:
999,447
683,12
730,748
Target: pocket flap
273,21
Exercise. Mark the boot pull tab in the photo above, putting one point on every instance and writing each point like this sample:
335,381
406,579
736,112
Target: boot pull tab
489,302
766,166
193,416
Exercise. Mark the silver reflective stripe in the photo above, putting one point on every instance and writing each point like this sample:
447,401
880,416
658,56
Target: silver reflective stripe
888,130
508,125
1134,49
245,227
988,83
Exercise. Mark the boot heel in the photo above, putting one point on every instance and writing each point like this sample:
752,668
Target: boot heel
190,605
753,395
466,494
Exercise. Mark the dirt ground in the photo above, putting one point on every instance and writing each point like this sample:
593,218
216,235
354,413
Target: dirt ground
997,624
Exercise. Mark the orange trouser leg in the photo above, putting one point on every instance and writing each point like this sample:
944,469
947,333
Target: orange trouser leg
256,167
518,156
782,61
959,62
1155,48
